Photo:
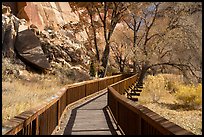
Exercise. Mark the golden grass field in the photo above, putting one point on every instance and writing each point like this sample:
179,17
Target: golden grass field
169,97
18,95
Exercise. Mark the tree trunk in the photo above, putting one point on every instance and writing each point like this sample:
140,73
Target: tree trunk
94,33
121,68
105,59
142,74
134,67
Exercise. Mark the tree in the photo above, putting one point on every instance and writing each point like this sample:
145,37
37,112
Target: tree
120,47
162,32
87,13
110,14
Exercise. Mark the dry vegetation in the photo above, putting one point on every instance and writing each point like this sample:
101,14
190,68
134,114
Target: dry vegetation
169,97
21,92
18,95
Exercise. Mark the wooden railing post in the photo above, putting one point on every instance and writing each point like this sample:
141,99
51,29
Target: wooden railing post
139,125
117,110
37,126
58,111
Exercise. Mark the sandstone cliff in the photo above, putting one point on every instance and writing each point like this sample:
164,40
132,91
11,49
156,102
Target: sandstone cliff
61,42
43,14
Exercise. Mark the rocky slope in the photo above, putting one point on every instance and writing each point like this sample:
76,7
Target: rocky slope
46,36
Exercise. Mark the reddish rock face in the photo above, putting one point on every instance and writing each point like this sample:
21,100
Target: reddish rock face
43,14
30,13
56,13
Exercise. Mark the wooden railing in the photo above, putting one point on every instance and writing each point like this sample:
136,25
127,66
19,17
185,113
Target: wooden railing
43,120
135,119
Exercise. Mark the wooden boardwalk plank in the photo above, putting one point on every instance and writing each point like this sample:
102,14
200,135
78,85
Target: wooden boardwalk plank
90,118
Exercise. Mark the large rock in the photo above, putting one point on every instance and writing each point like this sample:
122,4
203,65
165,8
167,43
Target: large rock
29,48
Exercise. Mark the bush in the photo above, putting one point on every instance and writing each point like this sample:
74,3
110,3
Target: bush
92,70
154,87
10,69
190,95
111,70
171,89
172,86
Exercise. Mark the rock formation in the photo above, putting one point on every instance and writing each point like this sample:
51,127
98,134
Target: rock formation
29,48
46,35
44,14
9,31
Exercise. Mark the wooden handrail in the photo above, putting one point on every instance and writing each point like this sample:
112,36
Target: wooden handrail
135,119
44,118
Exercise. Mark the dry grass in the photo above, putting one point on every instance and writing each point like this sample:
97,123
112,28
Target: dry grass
190,120
23,90
169,97
20,95
155,90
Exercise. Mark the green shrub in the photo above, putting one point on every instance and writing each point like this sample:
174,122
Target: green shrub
92,70
111,70
172,86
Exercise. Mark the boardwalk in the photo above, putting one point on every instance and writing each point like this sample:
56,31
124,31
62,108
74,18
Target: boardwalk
82,110
89,118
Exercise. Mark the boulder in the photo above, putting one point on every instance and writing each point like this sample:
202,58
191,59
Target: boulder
29,48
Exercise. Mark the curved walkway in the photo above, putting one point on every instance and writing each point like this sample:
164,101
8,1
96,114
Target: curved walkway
91,117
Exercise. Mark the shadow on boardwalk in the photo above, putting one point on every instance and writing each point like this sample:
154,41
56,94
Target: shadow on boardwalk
91,118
